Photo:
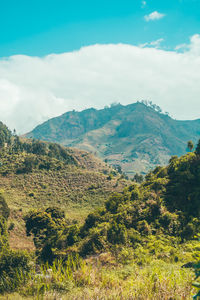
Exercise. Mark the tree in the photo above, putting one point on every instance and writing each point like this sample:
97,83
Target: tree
5,135
190,145
46,226
118,168
17,144
197,150
3,234
138,178
38,148
4,209
29,164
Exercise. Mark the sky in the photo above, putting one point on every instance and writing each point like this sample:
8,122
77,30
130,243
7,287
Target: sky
59,55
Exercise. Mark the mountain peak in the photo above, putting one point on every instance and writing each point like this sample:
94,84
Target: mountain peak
136,136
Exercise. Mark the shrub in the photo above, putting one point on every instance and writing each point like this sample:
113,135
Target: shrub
55,212
117,233
11,226
4,209
72,235
96,240
92,220
135,195
3,234
143,227
11,260
47,227
29,163
11,264
196,284
113,202
38,147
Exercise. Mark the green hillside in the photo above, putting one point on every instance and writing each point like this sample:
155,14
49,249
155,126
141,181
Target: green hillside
137,136
166,205
35,175
154,223
91,234
141,243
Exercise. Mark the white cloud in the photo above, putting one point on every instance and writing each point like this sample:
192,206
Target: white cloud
33,89
154,16
144,3
155,44
193,47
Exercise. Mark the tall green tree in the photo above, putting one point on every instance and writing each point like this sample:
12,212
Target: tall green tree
190,145
197,150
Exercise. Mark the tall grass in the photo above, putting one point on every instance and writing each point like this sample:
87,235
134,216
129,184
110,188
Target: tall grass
96,279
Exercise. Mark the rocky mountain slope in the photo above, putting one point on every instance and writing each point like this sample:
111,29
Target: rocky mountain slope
137,136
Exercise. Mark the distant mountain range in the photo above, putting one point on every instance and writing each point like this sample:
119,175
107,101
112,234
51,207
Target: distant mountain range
137,136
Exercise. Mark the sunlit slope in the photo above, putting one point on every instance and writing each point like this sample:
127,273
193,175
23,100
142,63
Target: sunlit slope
136,136
36,175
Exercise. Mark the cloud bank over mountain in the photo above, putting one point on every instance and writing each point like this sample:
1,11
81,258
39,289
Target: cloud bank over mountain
33,89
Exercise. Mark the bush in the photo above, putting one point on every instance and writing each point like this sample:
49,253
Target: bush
47,227
3,234
91,220
96,240
11,260
12,263
30,162
11,226
196,284
38,148
73,235
4,209
143,227
117,234
114,201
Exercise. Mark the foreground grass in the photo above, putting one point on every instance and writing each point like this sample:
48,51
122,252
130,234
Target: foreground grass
158,280
101,278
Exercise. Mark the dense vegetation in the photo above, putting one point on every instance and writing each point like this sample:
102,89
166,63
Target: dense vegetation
38,174
137,245
165,205
5,135
145,223
12,263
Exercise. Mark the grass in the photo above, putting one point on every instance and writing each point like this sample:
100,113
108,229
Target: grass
96,278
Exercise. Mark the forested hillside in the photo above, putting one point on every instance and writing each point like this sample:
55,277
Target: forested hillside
140,242
137,136
35,174
166,205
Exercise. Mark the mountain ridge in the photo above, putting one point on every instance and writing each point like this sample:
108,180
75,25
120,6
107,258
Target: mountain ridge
136,136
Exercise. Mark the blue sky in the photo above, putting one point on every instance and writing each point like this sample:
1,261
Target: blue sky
60,55
41,27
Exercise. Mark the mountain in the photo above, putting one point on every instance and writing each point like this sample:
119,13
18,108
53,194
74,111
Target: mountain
137,136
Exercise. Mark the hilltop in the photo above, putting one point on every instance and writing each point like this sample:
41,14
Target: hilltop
137,136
